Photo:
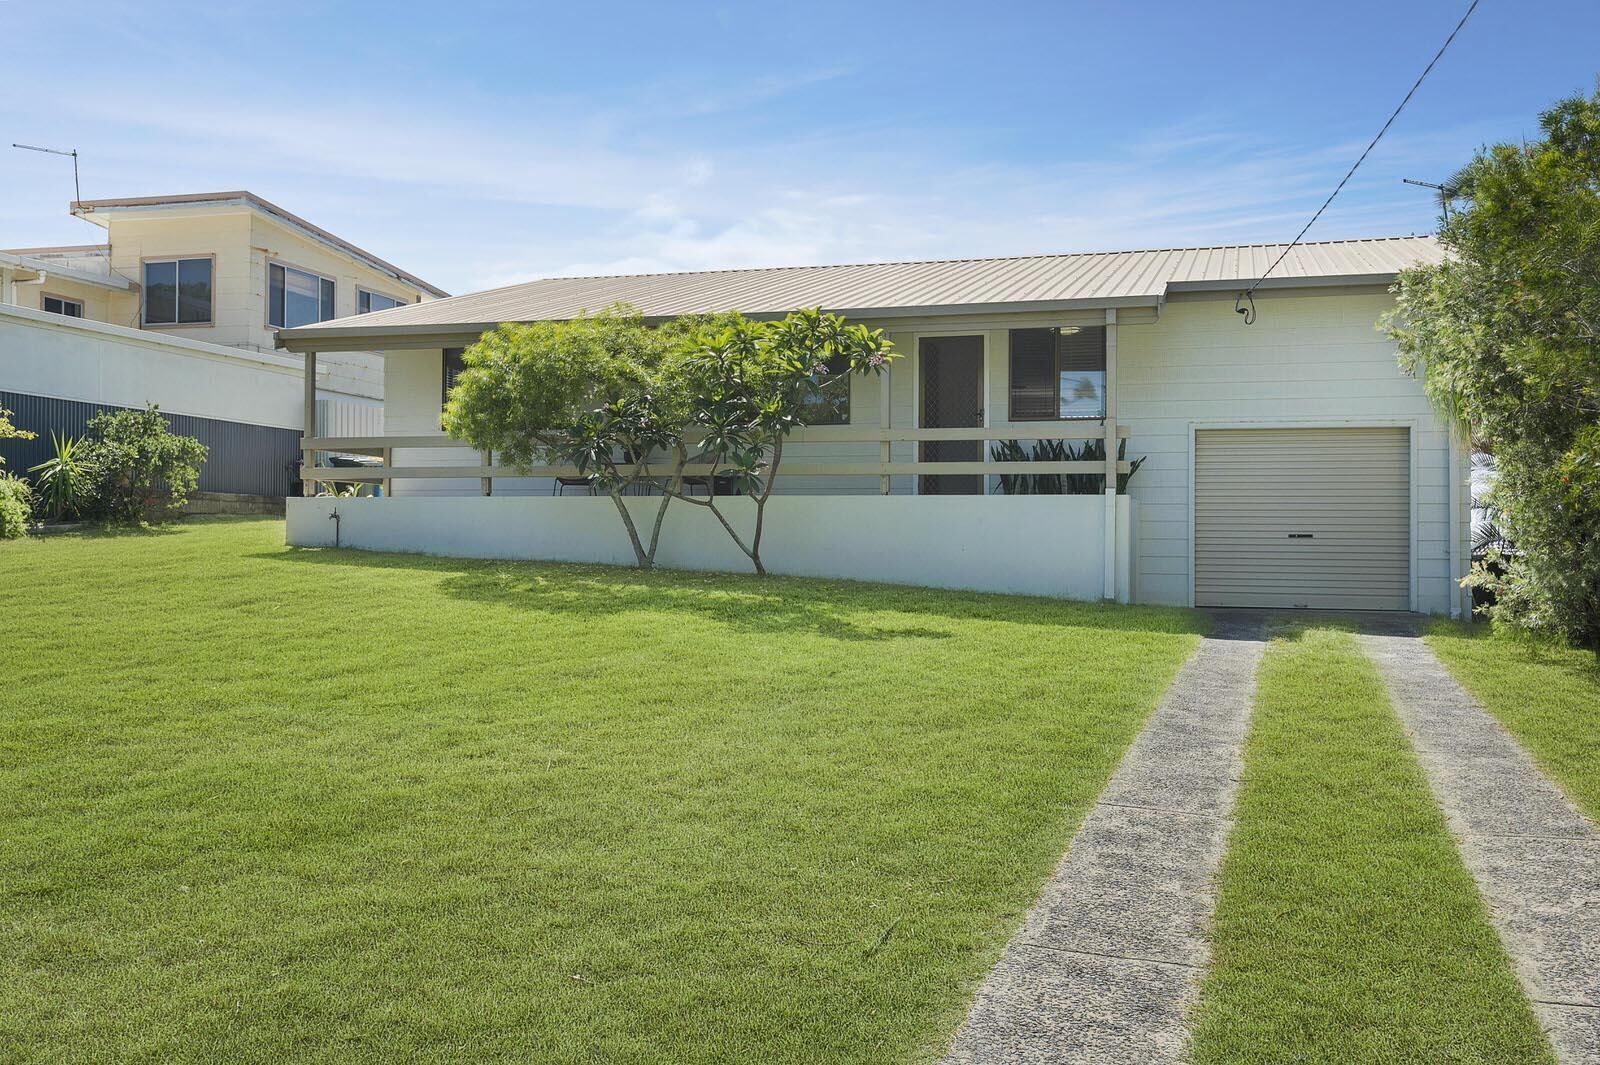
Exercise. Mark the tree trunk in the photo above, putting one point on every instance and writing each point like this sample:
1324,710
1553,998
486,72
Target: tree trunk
641,558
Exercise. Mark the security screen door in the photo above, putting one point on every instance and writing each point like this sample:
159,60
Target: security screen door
951,370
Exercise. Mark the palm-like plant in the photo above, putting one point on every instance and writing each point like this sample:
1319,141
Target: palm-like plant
1056,484
66,479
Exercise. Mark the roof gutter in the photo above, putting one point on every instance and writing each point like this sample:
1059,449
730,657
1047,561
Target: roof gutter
44,270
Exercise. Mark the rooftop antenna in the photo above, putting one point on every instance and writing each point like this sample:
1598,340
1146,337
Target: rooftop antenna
77,193
1446,192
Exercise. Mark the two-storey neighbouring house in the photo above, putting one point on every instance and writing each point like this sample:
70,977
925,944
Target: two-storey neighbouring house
189,292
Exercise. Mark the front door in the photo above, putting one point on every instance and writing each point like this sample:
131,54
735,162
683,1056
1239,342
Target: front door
951,370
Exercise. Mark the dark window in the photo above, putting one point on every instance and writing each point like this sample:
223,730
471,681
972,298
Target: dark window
1058,373
832,405
295,297
177,292
453,365
57,305
367,302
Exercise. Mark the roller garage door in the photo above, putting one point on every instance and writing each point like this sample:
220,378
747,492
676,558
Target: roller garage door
1315,518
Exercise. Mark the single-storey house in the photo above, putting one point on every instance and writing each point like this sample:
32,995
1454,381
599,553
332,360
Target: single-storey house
1287,461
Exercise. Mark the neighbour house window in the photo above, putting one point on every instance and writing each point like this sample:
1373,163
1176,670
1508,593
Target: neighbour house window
1058,373
59,305
295,297
833,407
453,365
367,302
177,292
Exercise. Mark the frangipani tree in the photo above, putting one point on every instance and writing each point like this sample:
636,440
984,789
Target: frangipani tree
592,392
753,383
629,404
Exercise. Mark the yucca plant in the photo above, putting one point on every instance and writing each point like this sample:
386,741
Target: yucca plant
65,481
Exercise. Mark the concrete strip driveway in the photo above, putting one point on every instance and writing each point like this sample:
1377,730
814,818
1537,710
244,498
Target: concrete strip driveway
1107,963
1535,857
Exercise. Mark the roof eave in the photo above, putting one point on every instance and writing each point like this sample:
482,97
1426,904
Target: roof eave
379,336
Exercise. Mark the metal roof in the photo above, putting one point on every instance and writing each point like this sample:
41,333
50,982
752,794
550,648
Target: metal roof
880,290
86,209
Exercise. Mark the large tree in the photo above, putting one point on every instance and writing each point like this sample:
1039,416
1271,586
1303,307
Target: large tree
1506,336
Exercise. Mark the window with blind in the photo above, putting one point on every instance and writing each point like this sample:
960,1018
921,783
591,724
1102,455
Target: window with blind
453,365
1058,374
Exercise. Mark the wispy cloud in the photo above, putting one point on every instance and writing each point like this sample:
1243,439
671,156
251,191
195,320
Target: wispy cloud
478,194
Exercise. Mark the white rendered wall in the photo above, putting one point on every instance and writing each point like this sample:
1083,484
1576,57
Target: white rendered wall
50,355
1032,545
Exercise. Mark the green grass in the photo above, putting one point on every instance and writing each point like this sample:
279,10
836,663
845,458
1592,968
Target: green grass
259,804
1548,697
1347,929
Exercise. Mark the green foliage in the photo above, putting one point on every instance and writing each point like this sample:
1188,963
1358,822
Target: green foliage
1506,336
11,432
66,480
142,470
16,502
1056,484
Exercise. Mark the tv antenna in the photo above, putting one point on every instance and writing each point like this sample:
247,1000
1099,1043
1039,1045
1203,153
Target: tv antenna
77,193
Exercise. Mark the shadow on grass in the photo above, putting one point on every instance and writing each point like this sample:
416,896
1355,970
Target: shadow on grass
849,610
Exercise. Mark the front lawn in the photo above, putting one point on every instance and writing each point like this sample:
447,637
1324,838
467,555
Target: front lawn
259,804
1347,930
1548,697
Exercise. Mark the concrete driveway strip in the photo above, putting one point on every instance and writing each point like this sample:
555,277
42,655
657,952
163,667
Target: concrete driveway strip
1535,857
1106,965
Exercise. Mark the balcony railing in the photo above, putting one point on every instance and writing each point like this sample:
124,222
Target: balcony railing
796,465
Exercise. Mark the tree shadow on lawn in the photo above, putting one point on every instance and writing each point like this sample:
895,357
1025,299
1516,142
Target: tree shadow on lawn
846,610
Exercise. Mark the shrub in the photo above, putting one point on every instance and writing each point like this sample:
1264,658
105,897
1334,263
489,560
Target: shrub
16,501
142,470
11,432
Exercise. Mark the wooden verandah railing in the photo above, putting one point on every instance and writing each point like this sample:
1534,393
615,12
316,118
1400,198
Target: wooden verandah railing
798,465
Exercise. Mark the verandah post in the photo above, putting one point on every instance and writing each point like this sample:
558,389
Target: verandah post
1110,590
308,456
885,407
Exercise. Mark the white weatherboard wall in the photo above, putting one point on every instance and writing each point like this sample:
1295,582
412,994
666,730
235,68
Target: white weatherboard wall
45,354
1032,545
1309,360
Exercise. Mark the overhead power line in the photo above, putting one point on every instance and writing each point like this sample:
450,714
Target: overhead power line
1249,293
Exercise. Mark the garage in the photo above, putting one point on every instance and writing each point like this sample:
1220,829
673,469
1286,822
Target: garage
1312,518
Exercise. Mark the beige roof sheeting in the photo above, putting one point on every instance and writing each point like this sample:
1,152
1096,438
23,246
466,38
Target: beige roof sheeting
879,290
87,209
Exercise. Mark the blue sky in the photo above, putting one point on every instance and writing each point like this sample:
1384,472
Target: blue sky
481,144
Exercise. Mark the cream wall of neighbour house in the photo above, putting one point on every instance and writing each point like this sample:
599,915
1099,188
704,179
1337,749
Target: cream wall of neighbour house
1313,358
243,241
100,304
